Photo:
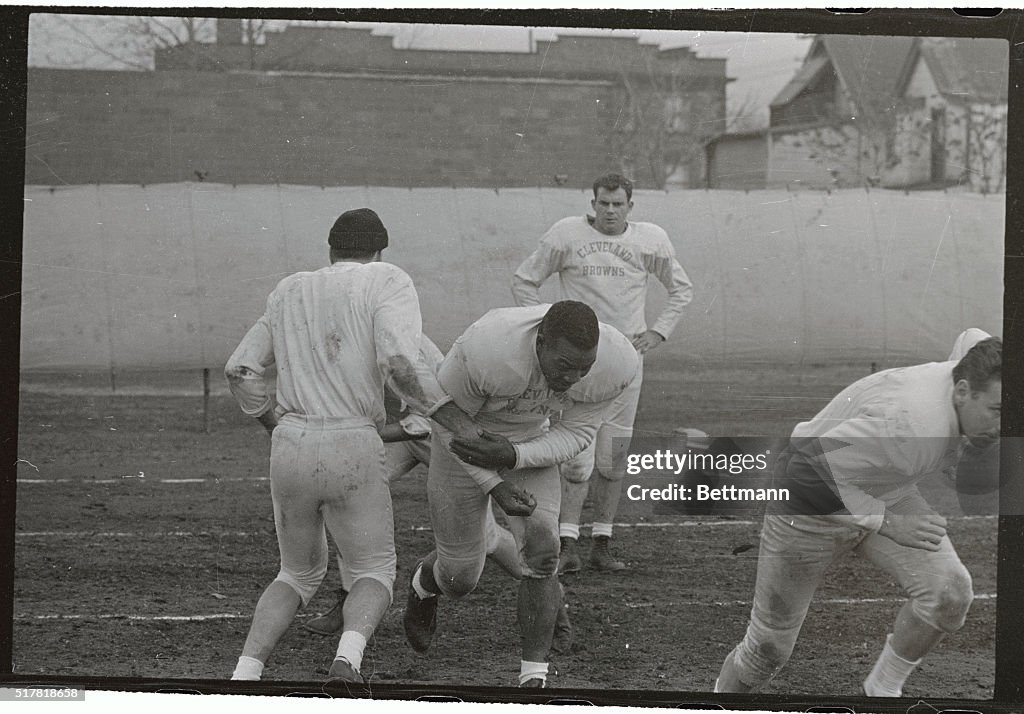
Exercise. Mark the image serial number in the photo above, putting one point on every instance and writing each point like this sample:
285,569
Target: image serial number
41,693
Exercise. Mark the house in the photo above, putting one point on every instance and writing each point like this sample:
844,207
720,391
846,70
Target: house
897,112
951,126
738,161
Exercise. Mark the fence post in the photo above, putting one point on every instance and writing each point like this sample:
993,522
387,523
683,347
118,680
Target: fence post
206,399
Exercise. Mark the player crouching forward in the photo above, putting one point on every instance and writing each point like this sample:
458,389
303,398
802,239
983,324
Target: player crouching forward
510,371
406,438
859,461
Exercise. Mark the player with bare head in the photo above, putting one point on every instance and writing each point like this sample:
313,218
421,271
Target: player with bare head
406,438
511,371
605,261
852,472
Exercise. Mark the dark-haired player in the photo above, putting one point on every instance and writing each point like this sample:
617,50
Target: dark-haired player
853,471
337,336
606,261
510,371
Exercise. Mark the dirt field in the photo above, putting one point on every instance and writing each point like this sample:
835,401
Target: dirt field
143,543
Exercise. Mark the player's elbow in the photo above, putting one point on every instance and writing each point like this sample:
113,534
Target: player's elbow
235,372
401,374
524,292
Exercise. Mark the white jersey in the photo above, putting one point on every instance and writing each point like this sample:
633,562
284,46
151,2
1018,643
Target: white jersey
609,273
337,336
884,433
493,374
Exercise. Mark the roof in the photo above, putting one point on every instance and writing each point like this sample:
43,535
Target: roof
803,77
868,66
968,67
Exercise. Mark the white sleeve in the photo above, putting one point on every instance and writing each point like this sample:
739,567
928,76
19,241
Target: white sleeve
532,272
670,273
246,368
397,335
566,438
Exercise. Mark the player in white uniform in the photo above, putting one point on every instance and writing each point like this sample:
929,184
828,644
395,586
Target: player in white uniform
510,371
605,261
407,444
852,473
337,335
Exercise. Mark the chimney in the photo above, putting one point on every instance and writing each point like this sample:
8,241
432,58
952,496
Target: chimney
229,31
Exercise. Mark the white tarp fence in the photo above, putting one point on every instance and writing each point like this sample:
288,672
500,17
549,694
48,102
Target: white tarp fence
171,276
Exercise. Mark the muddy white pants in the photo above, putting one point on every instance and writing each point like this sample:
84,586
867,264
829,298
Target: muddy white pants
326,471
461,519
795,552
610,446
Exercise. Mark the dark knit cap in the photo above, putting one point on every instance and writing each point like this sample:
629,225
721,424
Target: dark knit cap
358,230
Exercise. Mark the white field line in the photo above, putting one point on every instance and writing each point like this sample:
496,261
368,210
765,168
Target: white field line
248,534
140,479
415,529
134,536
248,616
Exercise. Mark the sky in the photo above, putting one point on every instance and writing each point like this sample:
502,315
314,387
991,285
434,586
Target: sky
760,63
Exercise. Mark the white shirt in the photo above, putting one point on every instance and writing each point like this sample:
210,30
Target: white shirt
337,335
884,433
493,374
609,273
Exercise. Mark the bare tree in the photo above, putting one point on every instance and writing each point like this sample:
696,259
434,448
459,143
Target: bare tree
855,146
859,150
983,146
666,119
117,42
747,115
254,32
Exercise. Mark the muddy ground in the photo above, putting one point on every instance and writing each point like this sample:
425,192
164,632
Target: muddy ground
124,571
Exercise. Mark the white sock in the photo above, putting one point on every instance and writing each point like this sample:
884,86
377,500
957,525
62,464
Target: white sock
889,673
533,670
602,529
569,530
351,648
248,669
420,591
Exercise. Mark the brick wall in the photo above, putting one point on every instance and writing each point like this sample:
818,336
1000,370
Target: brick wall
154,127
345,49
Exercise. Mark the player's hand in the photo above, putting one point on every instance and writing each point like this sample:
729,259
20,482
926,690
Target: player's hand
647,341
269,420
513,500
924,531
487,451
